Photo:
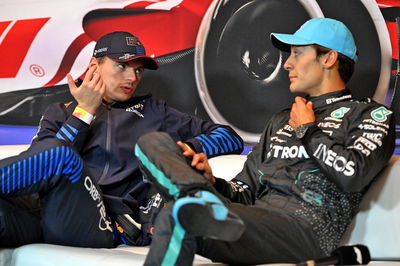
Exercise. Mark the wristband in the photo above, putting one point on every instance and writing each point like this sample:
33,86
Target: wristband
187,146
83,115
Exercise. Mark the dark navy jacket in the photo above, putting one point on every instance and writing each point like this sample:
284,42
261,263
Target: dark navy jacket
107,145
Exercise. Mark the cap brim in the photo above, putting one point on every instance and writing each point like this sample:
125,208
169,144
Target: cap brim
284,41
148,62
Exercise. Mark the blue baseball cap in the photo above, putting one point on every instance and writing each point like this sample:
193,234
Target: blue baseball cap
326,32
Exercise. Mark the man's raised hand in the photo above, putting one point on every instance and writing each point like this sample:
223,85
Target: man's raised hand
90,93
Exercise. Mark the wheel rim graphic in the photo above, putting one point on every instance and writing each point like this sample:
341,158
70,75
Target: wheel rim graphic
241,81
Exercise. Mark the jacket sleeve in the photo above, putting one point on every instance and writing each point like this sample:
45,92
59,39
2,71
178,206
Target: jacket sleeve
245,186
366,148
202,136
58,121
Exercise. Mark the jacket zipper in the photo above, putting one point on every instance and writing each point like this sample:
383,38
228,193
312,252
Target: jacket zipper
108,145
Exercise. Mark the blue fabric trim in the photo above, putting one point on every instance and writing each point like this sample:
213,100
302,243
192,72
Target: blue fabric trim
74,130
66,132
229,137
214,144
59,136
209,147
39,167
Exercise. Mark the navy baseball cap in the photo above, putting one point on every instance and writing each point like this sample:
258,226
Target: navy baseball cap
122,46
326,32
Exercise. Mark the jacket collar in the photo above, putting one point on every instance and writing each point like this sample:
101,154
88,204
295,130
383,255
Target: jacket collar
134,100
329,98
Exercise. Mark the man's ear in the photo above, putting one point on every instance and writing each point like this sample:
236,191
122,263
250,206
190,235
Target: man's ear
93,61
330,58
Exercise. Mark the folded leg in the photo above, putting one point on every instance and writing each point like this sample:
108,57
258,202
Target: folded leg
72,209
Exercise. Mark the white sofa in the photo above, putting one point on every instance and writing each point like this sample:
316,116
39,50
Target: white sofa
377,226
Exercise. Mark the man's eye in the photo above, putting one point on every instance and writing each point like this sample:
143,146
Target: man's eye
139,71
121,66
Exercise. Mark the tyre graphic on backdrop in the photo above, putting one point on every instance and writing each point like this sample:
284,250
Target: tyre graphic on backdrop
239,73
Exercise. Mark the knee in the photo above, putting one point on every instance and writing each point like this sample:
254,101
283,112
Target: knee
47,143
154,138
159,141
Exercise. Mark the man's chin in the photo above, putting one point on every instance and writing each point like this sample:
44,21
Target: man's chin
123,98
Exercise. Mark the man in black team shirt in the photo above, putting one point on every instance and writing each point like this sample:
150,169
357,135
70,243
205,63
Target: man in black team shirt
302,183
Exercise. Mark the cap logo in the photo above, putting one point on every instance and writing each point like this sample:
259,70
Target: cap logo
126,56
104,49
132,41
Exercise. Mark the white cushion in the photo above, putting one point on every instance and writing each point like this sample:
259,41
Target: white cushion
11,150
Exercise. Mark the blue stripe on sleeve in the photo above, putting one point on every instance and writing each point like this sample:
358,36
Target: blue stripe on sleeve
13,177
67,134
229,137
59,136
8,179
74,130
2,180
204,140
222,143
19,174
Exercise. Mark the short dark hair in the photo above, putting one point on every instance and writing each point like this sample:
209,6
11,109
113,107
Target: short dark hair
346,65
100,60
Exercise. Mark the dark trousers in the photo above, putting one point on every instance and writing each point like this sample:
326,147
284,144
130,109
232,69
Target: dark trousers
47,196
271,235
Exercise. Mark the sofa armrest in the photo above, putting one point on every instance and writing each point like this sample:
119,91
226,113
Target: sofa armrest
377,224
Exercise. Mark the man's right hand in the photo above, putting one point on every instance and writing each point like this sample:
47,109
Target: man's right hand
90,93
199,161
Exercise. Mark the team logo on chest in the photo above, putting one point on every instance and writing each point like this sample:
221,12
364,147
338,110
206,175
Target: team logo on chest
380,114
135,109
339,113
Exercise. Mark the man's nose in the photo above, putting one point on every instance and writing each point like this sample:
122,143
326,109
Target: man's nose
288,64
132,74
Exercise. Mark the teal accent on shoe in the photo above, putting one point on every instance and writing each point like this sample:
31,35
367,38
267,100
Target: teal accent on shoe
220,212
174,247
159,175
219,209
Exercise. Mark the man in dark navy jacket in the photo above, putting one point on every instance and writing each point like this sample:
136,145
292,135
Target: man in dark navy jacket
102,126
